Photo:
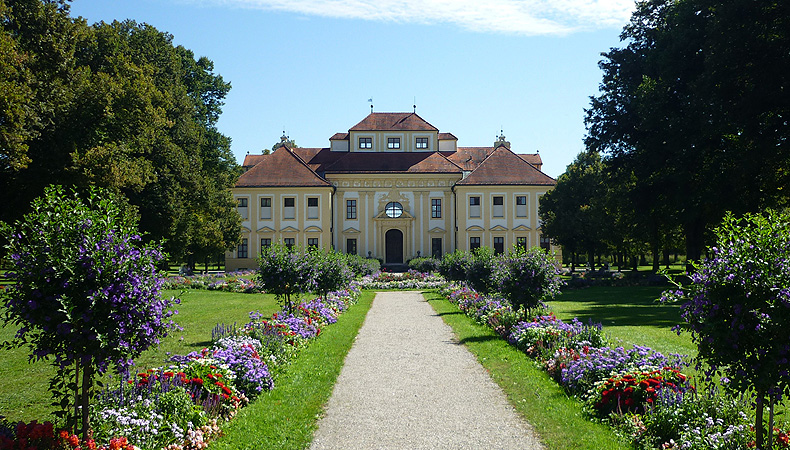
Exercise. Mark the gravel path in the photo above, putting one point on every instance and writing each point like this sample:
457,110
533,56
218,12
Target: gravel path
408,384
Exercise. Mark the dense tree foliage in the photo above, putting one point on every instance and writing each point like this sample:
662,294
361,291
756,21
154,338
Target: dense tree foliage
119,106
574,212
694,110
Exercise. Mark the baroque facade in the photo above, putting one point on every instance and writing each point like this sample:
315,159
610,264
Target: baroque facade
393,187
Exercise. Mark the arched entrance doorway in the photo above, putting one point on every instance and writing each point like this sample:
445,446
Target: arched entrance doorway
393,241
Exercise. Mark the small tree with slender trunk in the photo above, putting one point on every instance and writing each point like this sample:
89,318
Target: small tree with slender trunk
737,308
86,293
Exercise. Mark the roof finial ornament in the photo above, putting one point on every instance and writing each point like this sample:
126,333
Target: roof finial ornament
501,141
370,100
415,104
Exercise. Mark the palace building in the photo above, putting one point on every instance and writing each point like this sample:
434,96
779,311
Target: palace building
393,187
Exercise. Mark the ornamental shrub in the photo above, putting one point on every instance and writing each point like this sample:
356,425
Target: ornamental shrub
737,307
86,291
330,270
453,266
285,272
480,266
528,278
424,264
362,266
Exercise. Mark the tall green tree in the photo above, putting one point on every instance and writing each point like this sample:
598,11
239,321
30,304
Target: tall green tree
574,213
119,106
695,106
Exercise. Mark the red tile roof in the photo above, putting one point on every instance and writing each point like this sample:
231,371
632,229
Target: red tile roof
280,169
447,137
503,167
318,158
339,137
393,122
403,162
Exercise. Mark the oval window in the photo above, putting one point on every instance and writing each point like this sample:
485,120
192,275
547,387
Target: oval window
394,209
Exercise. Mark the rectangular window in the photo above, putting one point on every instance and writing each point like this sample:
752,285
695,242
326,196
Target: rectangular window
422,142
498,209
241,252
474,206
474,242
351,209
289,242
393,143
265,242
266,208
351,246
545,242
521,242
289,208
436,208
365,142
499,245
436,247
242,207
521,206
312,207
312,242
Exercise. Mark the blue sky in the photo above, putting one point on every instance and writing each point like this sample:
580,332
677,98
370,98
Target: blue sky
308,67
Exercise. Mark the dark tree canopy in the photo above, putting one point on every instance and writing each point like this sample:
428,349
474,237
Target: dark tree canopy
118,106
695,108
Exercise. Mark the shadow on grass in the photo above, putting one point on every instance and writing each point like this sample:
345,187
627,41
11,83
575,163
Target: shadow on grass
457,313
487,338
622,306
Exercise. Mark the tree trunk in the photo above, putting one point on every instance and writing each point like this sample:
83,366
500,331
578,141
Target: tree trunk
666,257
591,258
573,262
76,396
758,420
695,237
87,380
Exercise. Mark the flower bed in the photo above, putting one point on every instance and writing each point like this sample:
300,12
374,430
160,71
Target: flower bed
227,282
181,406
406,280
642,393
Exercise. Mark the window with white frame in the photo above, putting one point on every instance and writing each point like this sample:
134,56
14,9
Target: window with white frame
521,206
266,207
393,143
312,207
365,143
498,206
289,208
499,245
242,208
351,209
422,142
242,250
474,206
436,208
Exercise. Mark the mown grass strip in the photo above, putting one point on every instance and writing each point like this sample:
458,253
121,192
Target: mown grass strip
286,417
558,419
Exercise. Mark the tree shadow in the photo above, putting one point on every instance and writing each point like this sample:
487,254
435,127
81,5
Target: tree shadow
629,306
488,338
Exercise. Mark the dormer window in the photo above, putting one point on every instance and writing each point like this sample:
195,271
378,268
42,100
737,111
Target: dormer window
365,142
393,143
422,142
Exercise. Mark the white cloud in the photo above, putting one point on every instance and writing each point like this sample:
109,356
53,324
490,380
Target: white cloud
527,17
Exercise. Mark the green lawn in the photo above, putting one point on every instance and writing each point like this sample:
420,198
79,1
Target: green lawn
23,390
629,314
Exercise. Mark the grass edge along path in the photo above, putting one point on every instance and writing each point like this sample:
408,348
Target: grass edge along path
286,417
557,418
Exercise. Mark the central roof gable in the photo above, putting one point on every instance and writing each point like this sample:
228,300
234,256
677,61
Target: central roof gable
393,122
